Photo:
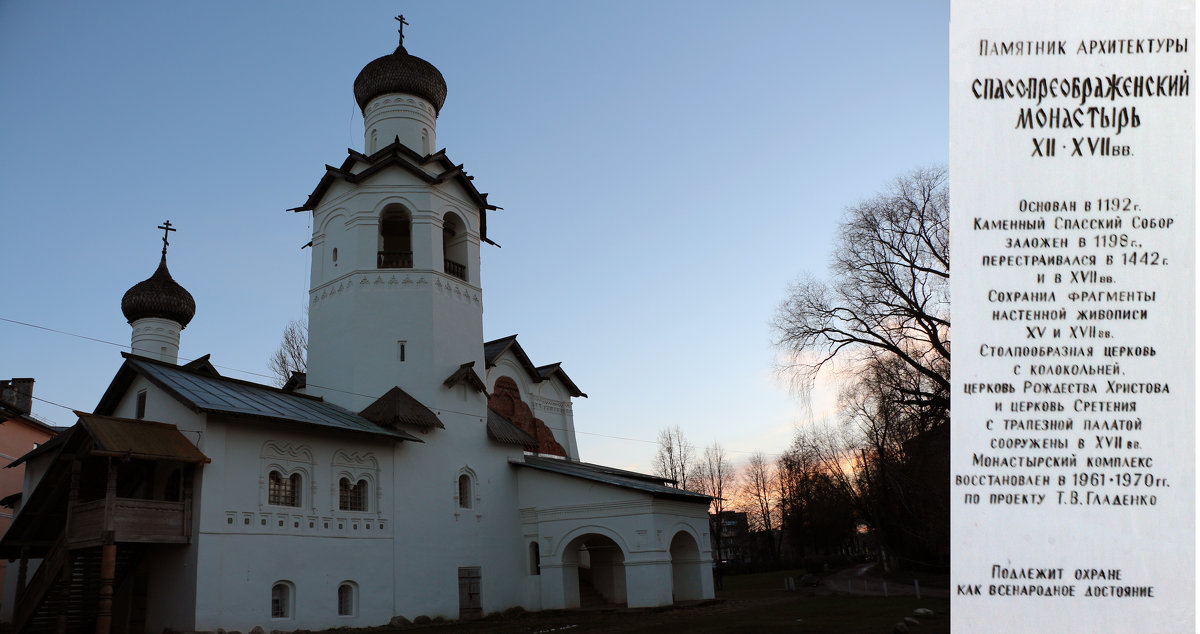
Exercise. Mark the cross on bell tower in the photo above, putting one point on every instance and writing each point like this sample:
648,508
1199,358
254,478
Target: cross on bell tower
403,23
166,227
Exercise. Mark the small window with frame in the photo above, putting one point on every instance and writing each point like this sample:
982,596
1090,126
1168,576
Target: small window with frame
352,497
347,599
283,491
464,491
281,600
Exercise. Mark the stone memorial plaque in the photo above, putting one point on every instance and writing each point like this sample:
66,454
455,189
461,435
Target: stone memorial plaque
1072,172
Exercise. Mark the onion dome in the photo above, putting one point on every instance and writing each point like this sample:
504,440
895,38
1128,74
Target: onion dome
400,72
159,296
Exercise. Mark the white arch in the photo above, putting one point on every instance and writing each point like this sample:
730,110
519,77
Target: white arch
391,200
506,366
463,216
340,212
588,529
690,530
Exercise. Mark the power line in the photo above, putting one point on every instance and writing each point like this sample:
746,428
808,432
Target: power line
330,389
63,332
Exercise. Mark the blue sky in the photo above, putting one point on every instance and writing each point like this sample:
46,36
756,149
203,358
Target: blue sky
666,169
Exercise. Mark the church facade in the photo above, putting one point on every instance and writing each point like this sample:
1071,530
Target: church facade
414,469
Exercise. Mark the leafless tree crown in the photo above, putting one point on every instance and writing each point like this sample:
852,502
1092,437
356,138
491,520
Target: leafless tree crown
676,458
292,354
888,293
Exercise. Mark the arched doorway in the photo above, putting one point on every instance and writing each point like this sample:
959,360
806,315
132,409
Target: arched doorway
593,572
687,571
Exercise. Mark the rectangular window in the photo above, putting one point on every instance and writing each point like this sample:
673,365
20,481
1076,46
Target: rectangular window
141,405
401,345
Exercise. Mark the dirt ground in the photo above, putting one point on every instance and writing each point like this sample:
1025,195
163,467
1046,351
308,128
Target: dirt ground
748,603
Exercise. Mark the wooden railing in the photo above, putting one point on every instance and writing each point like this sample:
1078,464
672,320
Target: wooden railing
456,269
395,260
132,521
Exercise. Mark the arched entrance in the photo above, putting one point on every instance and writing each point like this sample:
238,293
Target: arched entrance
687,570
593,572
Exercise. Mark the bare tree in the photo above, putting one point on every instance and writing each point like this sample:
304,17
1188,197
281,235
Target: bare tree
903,451
815,512
760,492
889,293
292,354
676,458
715,478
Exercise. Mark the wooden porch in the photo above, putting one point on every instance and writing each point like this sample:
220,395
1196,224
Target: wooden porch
113,490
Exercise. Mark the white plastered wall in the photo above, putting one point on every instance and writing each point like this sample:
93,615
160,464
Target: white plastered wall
559,510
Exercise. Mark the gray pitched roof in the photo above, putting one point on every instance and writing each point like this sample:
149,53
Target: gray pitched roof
397,406
203,392
492,350
502,430
466,374
614,477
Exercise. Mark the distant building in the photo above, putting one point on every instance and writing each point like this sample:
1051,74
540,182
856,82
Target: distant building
414,470
734,537
20,433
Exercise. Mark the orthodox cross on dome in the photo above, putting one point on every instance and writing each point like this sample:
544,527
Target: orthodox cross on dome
400,19
166,227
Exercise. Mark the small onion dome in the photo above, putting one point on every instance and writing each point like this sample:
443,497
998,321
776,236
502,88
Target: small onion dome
159,296
400,72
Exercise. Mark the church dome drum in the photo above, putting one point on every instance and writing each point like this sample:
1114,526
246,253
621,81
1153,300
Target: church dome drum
400,73
159,296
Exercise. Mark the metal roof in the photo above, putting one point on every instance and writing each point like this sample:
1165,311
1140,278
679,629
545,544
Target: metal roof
231,397
611,476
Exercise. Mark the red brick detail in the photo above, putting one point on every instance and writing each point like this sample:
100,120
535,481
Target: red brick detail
506,400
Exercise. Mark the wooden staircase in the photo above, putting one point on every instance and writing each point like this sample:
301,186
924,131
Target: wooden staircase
64,593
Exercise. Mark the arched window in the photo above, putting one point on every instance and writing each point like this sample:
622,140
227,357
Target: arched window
352,497
395,239
454,246
464,491
535,559
281,600
347,599
283,491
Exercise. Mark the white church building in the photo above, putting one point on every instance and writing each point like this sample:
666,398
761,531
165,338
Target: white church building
414,470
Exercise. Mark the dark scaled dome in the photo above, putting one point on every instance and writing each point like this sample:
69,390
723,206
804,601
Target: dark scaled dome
400,72
159,296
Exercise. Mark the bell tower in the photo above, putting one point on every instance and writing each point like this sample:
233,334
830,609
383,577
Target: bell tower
395,297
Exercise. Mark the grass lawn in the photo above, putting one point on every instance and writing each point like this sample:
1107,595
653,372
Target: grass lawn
749,603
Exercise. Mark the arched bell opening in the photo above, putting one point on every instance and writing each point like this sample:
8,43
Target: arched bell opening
454,246
395,238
